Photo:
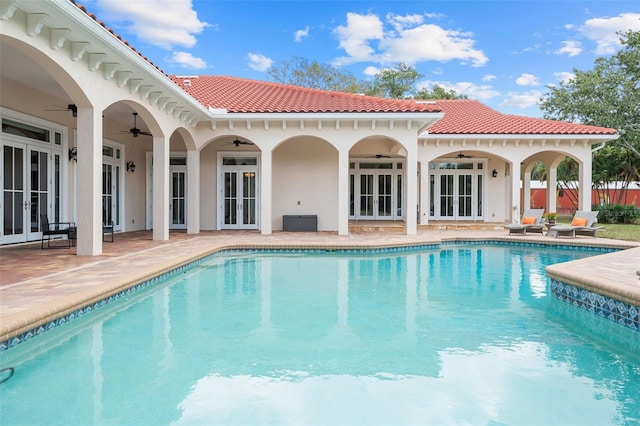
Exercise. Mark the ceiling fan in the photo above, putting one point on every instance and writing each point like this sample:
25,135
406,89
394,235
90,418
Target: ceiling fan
135,131
461,155
378,156
71,107
237,142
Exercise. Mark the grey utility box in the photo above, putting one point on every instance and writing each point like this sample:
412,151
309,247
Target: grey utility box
300,223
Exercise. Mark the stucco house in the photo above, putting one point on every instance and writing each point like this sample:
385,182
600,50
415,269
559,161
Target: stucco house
93,132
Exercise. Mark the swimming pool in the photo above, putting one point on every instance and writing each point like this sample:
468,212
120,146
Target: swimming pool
461,334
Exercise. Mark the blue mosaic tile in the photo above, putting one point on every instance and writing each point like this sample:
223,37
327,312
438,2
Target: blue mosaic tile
615,310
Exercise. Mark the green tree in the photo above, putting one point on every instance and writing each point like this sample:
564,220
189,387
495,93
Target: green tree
302,72
438,92
607,96
396,82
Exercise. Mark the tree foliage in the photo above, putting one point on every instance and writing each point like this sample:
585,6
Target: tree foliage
606,96
397,82
438,92
302,72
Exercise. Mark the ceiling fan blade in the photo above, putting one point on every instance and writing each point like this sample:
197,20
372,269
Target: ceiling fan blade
145,133
70,107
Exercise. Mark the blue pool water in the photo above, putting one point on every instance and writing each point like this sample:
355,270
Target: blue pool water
466,334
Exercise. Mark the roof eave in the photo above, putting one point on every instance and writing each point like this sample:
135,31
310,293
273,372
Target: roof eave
527,136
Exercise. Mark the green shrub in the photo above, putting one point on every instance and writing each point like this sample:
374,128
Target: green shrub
617,213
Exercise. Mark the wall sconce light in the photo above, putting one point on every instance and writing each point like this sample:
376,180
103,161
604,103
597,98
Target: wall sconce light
494,173
73,153
131,166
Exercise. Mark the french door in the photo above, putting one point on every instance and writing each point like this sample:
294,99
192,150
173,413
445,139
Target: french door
376,190
178,191
376,196
26,190
457,190
239,198
456,196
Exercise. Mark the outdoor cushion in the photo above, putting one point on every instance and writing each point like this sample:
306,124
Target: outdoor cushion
579,221
528,220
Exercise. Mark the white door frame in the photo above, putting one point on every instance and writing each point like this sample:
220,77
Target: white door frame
477,175
56,174
240,197
396,194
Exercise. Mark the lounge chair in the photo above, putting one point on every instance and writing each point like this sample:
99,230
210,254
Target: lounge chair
49,230
531,222
583,223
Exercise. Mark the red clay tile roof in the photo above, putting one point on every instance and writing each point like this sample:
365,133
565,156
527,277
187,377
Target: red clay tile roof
473,117
238,95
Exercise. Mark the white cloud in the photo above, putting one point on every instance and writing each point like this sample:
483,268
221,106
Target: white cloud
300,34
371,71
187,60
564,76
527,80
407,21
259,62
364,38
355,37
489,77
522,100
163,23
472,90
603,31
569,48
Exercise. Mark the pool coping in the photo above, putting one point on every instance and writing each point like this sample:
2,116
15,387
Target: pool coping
51,310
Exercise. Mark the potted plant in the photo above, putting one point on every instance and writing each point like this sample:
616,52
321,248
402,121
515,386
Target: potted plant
551,217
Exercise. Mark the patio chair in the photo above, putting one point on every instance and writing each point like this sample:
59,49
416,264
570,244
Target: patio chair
531,222
106,230
63,229
583,223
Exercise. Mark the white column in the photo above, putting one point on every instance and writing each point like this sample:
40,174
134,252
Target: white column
89,182
160,188
266,178
515,192
193,192
412,189
526,190
552,183
343,191
584,177
424,193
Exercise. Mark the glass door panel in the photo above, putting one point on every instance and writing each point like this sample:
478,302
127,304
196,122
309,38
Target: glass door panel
248,198
465,196
178,199
13,193
107,194
38,190
366,196
384,197
230,198
446,196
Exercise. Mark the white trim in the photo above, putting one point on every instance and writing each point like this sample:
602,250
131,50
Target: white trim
220,187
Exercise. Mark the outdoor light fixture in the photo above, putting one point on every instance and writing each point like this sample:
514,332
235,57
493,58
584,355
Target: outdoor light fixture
131,166
73,153
494,173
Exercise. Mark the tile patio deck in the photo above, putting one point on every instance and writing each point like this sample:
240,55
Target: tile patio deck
38,285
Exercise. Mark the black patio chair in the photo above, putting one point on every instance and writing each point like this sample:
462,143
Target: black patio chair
63,229
106,230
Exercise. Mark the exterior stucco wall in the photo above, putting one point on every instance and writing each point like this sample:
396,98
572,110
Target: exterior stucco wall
208,187
305,181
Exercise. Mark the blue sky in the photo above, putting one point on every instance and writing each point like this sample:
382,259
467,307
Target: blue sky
503,53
